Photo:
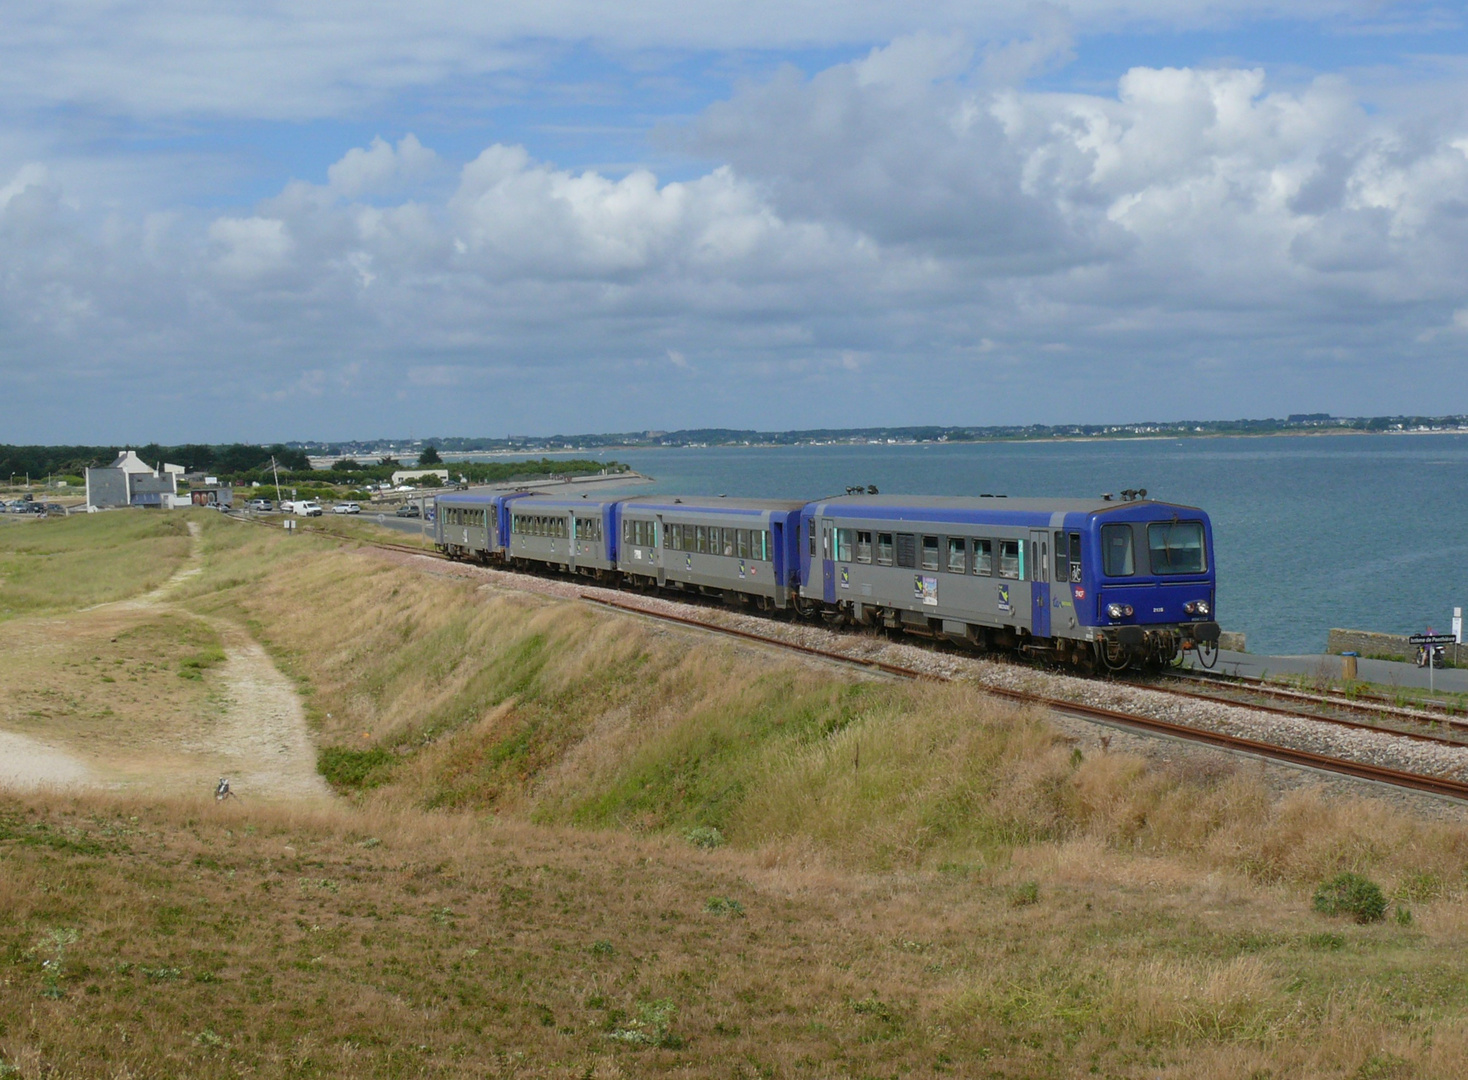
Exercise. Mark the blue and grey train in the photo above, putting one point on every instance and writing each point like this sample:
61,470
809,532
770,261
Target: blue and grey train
1097,583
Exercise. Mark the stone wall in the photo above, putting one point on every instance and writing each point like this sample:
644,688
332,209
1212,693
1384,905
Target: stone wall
1388,646
1232,640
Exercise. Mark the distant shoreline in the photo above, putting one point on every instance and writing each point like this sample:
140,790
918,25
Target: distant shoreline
475,455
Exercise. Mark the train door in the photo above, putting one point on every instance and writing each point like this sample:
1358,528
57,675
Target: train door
828,563
657,549
777,558
571,541
1040,583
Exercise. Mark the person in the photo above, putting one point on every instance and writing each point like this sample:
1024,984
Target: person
222,792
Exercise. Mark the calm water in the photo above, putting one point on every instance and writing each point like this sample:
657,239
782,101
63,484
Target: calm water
1366,532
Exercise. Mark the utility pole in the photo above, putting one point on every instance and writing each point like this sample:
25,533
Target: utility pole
276,473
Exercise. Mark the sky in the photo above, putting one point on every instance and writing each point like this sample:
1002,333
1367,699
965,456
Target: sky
251,220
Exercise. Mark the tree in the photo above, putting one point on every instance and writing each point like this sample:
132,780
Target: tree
429,457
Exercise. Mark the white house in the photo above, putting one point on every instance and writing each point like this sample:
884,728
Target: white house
131,481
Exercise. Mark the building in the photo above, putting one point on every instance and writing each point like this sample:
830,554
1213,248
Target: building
413,474
131,481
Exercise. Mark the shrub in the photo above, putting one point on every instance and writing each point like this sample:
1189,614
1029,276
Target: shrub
1025,894
704,836
1351,894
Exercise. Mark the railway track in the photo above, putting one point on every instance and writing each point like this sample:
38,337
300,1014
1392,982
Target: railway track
1436,785
1363,703
1398,715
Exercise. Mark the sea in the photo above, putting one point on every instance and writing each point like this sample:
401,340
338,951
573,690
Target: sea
1363,532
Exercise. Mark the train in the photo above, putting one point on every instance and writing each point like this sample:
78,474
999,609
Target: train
1106,583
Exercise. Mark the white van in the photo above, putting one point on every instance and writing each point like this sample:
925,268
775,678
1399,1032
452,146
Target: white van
302,507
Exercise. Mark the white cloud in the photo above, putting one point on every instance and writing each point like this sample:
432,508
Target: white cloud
332,57
251,246
381,167
887,235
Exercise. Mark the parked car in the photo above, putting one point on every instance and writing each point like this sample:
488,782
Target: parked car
409,510
260,504
346,508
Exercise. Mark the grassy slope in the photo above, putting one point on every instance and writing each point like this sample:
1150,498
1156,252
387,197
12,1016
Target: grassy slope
62,564
920,881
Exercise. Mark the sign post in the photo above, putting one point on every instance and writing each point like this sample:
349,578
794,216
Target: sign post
1458,625
1428,642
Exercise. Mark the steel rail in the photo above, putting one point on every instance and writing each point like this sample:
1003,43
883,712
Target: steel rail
1436,785
1299,714
1443,714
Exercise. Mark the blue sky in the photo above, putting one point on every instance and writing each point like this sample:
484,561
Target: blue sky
262,221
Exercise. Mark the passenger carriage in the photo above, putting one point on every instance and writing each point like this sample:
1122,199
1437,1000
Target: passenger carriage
575,535
1101,581
465,526
742,550
469,526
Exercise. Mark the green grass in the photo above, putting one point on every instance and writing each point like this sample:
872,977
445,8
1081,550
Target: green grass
61,564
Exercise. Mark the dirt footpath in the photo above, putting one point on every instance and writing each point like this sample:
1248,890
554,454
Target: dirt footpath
27,764
263,735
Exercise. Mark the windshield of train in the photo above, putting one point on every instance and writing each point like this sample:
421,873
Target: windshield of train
1176,547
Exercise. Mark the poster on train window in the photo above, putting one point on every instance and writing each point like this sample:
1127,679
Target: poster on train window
925,588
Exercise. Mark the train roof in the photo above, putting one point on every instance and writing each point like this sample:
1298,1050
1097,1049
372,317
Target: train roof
987,503
712,502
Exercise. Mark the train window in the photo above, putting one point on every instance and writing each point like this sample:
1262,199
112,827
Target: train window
743,542
984,558
728,539
810,532
864,547
1117,559
906,550
1009,565
1176,547
884,549
843,545
1075,557
1062,558
765,553
930,553
957,555
700,538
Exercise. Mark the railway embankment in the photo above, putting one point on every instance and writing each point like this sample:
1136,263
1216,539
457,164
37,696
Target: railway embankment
573,841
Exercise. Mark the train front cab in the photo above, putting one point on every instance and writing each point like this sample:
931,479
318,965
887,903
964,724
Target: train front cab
1145,585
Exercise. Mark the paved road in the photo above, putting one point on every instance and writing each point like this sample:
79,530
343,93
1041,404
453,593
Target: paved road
1385,672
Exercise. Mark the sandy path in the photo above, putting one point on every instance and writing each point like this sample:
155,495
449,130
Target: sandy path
27,764
263,736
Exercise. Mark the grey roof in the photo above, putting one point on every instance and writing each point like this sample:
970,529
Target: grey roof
715,502
990,502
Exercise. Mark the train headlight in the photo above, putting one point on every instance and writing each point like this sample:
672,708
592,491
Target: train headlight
1119,611
1197,607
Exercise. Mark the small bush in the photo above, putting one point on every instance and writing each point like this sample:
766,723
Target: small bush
1025,894
723,905
1353,895
705,836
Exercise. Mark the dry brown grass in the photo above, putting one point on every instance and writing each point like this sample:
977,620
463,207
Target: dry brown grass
202,939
